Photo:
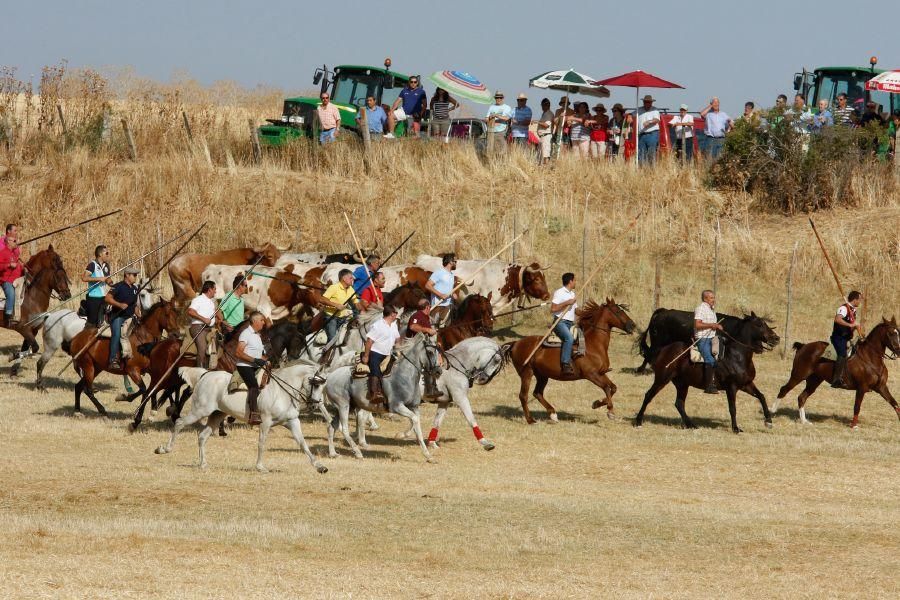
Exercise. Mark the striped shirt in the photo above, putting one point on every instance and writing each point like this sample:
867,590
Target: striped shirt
842,116
440,111
705,314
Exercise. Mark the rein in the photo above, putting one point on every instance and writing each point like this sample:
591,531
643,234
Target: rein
470,374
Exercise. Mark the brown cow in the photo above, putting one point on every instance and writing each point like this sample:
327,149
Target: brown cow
186,270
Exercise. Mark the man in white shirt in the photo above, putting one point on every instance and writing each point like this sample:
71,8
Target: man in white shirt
379,344
440,285
705,326
684,134
251,357
648,130
202,312
563,303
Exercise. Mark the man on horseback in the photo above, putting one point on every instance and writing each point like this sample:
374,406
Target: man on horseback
564,303
705,327
372,297
124,297
96,275
202,312
232,308
250,355
10,269
420,322
841,334
337,297
440,285
379,343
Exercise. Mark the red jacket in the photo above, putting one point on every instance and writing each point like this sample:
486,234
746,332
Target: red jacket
7,256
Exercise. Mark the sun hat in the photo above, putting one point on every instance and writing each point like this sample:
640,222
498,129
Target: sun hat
132,271
498,94
684,107
649,98
601,106
521,97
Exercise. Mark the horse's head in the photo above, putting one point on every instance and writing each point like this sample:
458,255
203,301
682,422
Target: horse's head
479,312
149,296
47,263
608,315
167,316
892,334
432,360
534,284
758,334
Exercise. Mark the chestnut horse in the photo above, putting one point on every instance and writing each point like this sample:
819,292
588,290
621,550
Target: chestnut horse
45,276
866,370
596,322
472,317
160,317
734,371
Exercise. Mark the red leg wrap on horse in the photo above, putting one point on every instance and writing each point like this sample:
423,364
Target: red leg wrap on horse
477,432
432,435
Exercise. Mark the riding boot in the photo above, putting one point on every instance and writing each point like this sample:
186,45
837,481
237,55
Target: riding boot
709,379
431,390
566,368
253,409
840,367
376,394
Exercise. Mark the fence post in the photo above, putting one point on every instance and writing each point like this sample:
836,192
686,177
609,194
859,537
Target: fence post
62,122
656,284
584,233
187,127
132,149
790,301
254,139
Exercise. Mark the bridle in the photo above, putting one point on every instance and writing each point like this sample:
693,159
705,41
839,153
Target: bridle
432,368
475,372
619,311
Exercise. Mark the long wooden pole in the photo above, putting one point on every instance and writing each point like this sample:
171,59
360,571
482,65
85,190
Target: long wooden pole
715,282
833,271
359,252
471,276
584,284
790,302
72,226
685,351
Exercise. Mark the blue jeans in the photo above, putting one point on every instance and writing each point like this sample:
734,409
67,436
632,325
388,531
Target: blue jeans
704,345
647,146
115,340
327,135
840,344
688,148
714,146
564,330
332,324
9,291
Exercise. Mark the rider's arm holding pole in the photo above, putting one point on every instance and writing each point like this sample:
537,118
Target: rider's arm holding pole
840,321
700,325
195,315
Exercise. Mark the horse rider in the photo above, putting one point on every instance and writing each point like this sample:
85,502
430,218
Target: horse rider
232,308
97,276
362,273
380,342
250,358
705,327
202,312
337,296
420,322
123,297
11,268
564,304
372,297
841,334
440,285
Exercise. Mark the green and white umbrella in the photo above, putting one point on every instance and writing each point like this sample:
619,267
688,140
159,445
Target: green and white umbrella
570,81
460,84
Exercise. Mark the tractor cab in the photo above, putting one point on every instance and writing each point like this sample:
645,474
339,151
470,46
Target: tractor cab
828,82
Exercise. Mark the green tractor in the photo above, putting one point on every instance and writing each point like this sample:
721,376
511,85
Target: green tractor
348,86
827,82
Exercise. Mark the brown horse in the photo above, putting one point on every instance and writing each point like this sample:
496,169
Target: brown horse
160,317
734,371
597,322
473,316
45,276
866,370
405,297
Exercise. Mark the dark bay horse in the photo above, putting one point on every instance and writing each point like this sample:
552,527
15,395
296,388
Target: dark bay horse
405,297
45,276
734,371
866,371
160,317
472,317
596,322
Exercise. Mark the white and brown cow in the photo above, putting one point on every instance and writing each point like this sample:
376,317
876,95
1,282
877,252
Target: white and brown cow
274,298
185,270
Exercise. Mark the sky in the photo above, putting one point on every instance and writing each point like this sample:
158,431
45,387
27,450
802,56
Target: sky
736,51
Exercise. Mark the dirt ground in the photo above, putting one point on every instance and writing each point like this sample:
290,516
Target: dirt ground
588,507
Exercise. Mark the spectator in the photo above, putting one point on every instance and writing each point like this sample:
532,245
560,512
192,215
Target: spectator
843,114
799,115
872,116
376,118
564,111
718,123
781,102
893,129
598,125
648,128
414,102
823,118
684,133
329,119
578,130
545,130
521,120
498,117
776,115
618,130
441,105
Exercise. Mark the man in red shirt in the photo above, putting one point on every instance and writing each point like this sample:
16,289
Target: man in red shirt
10,270
372,297
420,322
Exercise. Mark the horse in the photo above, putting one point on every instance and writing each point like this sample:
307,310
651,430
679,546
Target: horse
596,322
474,316
45,276
734,371
404,395
405,297
278,405
866,370
162,316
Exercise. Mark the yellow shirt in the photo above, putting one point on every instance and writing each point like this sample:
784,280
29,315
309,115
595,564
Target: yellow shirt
336,292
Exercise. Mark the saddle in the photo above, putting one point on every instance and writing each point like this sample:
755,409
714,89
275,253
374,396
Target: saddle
553,340
831,354
236,383
718,351
361,369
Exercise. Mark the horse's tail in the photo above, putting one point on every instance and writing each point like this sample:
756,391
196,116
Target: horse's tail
797,345
506,352
640,344
191,375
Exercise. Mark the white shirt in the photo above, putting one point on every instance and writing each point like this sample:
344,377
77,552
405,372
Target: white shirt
705,314
561,295
842,313
383,336
688,132
204,306
443,282
647,115
254,347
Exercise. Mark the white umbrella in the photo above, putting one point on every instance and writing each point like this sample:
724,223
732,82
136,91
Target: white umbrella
889,81
569,81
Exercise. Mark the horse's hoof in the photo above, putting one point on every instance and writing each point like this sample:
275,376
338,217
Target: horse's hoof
332,455
737,430
358,455
854,426
169,410
132,428
261,469
487,444
161,450
432,445
121,398
611,416
321,468
689,426
554,418
373,427
637,425
431,460
597,404
769,425
78,414
204,466
364,447
530,421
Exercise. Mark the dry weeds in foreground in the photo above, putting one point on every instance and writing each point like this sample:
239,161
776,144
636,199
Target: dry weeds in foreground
586,508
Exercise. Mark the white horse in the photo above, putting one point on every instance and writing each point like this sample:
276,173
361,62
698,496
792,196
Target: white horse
279,404
401,387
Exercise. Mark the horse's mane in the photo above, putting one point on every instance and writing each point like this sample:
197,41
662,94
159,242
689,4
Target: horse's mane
410,285
369,316
589,314
157,305
406,343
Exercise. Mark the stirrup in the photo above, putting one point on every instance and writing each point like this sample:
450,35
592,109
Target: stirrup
253,418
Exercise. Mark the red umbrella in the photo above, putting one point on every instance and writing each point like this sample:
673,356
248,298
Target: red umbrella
638,79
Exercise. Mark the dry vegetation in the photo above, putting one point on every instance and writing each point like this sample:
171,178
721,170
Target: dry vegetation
586,507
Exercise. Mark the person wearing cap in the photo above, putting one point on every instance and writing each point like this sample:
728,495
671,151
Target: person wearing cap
718,123
380,340
648,130
498,118
618,129
123,298
521,120
545,130
564,111
684,133
598,125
